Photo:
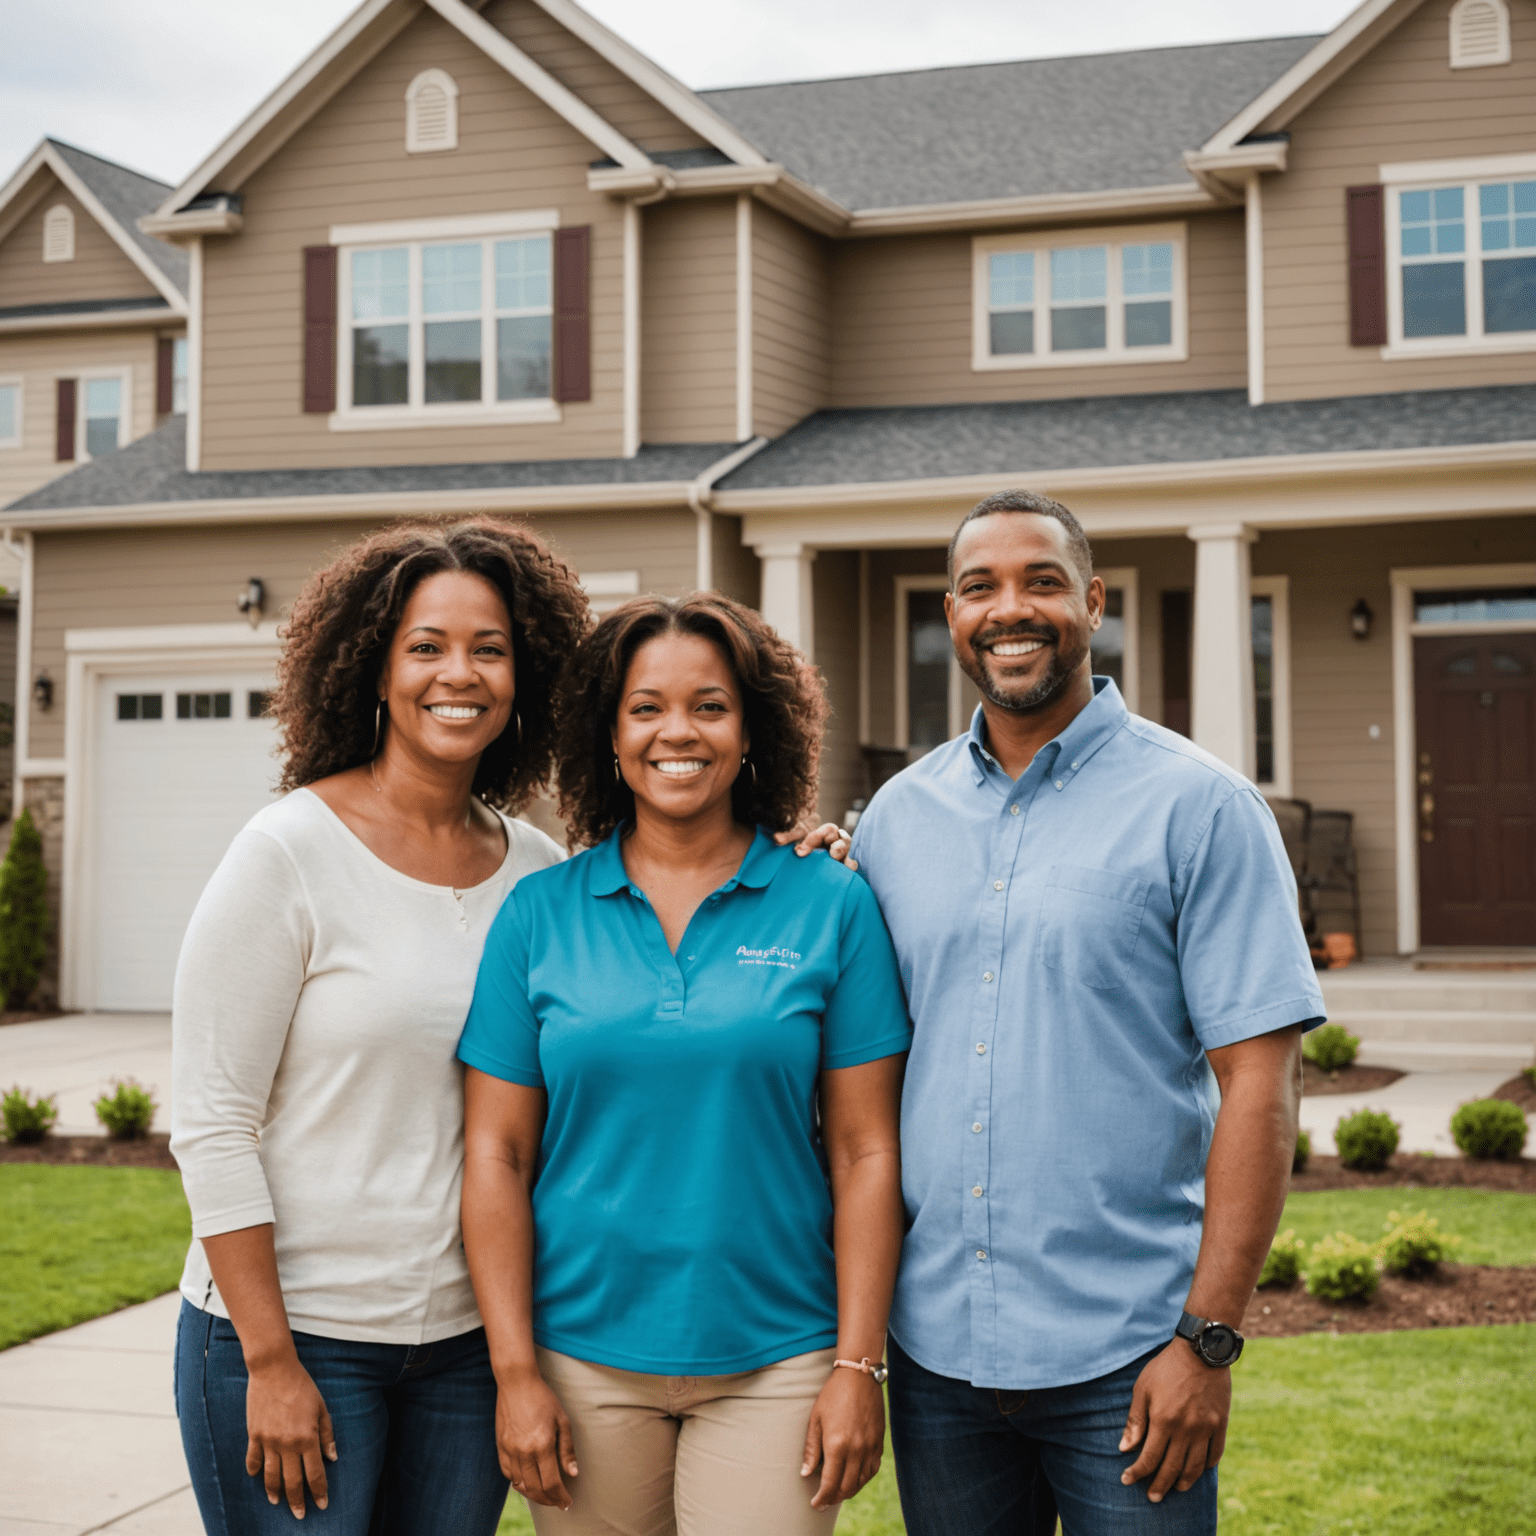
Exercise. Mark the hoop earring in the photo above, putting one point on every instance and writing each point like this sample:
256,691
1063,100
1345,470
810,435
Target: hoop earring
618,778
517,728
751,767
378,726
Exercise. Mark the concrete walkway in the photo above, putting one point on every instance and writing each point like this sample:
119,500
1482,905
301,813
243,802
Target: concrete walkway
1422,1103
78,1057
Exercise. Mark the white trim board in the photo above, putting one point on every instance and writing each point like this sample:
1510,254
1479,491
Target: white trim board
524,221
1406,581
954,720
1278,590
1125,579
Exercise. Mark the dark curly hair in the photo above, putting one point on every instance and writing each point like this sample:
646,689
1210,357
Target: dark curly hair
343,621
782,695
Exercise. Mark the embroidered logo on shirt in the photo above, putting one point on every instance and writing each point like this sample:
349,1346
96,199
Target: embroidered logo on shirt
785,959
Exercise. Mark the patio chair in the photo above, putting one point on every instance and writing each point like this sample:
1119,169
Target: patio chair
1294,818
1332,883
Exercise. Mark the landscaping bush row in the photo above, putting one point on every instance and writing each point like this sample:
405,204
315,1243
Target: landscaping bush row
1484,1128
1343,1268
126,1112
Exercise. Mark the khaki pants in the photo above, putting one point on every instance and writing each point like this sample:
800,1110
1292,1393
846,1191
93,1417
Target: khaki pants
688,1455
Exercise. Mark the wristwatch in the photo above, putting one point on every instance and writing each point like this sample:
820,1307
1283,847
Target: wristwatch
1215,1343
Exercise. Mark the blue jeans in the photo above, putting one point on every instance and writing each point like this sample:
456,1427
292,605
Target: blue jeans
415,1434
993,1463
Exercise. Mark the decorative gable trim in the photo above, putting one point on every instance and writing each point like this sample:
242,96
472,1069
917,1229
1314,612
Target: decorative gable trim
59,234
1479,34
431,113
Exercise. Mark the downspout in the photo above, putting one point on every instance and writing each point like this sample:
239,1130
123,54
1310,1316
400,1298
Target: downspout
701,496
21,730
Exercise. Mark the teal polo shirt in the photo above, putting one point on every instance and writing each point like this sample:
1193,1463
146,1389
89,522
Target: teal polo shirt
682,1215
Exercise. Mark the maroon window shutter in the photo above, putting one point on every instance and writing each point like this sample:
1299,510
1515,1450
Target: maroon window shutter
573,318
165,376
320,328
64,440
1365,217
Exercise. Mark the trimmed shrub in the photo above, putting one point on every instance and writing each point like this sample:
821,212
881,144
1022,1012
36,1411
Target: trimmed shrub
1490,1128
24,916
1366,1139
1414,1245
1284,1262
1303,1153
1342,1268
128,1112
1330,1047
27,1120
1529,1074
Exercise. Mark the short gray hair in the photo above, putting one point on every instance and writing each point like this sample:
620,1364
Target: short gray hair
1041,506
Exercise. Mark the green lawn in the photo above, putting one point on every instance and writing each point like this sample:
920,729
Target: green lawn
77,1242
1496,1227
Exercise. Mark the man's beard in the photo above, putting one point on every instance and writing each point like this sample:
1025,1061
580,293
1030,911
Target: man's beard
1046,690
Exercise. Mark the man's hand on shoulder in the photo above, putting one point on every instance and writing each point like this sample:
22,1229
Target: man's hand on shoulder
1178,1416
828,835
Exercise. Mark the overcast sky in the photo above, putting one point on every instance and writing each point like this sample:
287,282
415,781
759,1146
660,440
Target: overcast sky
156,84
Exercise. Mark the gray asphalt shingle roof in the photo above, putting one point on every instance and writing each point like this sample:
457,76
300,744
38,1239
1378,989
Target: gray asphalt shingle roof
152,470
850,447
1086,124
128,196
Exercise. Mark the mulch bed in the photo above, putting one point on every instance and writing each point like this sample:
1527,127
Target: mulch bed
1408,1170
1455,1296
1350,1079
1518,1090
29,1015
153,1151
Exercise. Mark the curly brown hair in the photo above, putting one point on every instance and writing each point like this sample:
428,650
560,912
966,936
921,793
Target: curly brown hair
782,695
338,636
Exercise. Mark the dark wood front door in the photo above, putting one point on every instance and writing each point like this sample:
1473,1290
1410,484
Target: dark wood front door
1475,788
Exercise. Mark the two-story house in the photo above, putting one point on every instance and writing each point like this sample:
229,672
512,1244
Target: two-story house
1263,314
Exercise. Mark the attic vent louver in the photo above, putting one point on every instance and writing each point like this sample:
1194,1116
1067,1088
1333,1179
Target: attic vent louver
1479,33
59,234
431,113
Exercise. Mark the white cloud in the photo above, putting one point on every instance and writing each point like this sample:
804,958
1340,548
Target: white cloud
156,83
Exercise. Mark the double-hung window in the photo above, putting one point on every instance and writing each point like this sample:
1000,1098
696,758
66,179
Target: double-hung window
10,413
1096,297
451,328
101,413
1463,254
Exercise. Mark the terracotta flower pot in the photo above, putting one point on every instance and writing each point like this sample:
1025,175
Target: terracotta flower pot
1339,948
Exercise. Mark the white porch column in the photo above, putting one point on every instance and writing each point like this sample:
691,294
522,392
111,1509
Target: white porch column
1221,677
786,601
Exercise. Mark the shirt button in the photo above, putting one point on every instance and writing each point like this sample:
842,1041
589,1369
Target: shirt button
981,1050
976,1190
1058,783
981,1253
997,885
977,1126
1074,765
1013,810
986,975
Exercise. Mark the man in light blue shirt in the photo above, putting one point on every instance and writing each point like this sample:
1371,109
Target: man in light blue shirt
1096,925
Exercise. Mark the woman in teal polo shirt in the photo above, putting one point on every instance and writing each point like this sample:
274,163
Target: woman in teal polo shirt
682,1200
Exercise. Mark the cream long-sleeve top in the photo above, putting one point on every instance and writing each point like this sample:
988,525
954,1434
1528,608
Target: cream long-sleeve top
318,1004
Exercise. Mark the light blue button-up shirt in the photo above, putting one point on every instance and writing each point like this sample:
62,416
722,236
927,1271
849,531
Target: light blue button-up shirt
1072,943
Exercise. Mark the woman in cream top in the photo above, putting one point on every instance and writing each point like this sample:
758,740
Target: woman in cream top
330,1355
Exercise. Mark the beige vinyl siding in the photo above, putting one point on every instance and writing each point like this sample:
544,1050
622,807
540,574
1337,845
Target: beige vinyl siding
901,325
791,321
102,579
348,164
688,304
835,594
738,571
608,91
1402,102
39,360
99,270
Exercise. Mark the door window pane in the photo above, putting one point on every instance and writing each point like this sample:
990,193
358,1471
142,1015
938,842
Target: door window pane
522,358
452,362
380,364
139,706
203,706
1475,607
102,405
1108,644
1264,689
928,661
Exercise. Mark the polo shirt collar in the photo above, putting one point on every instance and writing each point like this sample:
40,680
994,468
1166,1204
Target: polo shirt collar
606,875
1100,719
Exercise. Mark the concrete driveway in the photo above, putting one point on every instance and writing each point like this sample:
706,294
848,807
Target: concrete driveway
78,1057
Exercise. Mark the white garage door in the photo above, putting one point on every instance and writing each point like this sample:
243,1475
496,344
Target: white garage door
182,763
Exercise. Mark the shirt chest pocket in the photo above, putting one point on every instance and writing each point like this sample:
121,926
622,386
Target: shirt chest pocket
1089,923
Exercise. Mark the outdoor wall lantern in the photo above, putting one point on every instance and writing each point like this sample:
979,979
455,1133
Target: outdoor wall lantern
1360,617
42,691
252,600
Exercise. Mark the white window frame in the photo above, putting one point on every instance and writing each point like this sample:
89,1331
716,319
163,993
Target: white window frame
415,235
84,376
1122,578
1469,175
607,590
60,216
1278,590
1116,353
180,362
16,382
955,721
449,87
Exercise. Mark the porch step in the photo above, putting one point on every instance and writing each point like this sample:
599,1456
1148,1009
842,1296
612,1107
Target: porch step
1451,1028
1435,1056
1377,989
